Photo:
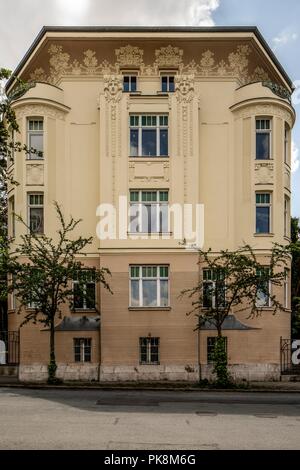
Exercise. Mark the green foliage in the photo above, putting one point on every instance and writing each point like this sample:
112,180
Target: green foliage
235,281
295,249
41,273
220,363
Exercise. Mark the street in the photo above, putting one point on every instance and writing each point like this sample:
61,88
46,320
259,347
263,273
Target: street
121,420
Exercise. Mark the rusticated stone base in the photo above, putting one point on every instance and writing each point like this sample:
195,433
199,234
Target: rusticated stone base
249,372
187,373
39,372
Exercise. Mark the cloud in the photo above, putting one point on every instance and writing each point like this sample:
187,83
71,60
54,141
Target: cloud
295,157
284,38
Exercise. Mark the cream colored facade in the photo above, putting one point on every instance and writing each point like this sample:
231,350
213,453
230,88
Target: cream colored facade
223,84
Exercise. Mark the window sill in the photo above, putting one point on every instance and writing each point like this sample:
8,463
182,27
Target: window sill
155,234
149,309
155,157
264,160
264,235
84,310
147,364
35,160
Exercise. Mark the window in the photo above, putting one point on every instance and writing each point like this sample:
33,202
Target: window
12,219
35,138
84,289
263,212
82,349
286,288
129,83
36,213
167,83
213,288
149,136
149,286
263,290
211,347
286,143
149,350
149,211
263,139
287,217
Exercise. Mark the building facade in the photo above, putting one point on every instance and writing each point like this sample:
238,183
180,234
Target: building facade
133,122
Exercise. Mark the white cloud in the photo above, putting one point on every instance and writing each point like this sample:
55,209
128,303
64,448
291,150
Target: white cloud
295,157
284,38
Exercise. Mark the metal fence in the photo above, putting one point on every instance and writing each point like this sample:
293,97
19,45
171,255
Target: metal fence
9,347
288,349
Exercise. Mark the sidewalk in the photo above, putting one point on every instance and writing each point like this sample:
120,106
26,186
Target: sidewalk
293,387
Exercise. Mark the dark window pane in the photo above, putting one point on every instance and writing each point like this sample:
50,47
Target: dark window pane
126,84
78,296
207,294
164,84
171,84
134,139
37,220
164,142
77,350
149,143
91,295
133,84
262,220
263,146
36,142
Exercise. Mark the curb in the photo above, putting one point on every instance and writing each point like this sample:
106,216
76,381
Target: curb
149,389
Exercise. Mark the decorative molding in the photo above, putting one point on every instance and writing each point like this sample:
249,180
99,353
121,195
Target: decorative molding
265,110
39,110
168,57
235,64
264,173
278,90
129,56
113,86
34,174
184,88
149,172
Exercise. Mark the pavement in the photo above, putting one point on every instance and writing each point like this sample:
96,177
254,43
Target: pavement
148,420
289,387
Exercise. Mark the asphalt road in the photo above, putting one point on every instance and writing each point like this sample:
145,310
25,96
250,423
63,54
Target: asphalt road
131,420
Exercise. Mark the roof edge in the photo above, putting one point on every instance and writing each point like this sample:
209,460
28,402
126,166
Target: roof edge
154,29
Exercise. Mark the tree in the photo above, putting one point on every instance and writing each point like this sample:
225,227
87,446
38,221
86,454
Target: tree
41,273
295,249
8,147
233,282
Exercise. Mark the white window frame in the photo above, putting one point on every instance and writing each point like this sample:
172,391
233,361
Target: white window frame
140,127
268,304
31,132
148,351
286,284
130,75
167,75
33,206
270,212
140,280
84,284
213,283
140,203
12,218
264,131
82,349
287,133
287,216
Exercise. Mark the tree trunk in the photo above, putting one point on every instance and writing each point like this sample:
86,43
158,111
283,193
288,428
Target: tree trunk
52,364
220,360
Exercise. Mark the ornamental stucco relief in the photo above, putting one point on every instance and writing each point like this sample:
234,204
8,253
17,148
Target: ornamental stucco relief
39,110
235,64
34,174
264,173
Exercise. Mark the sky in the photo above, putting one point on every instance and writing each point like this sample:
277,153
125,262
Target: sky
278,21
